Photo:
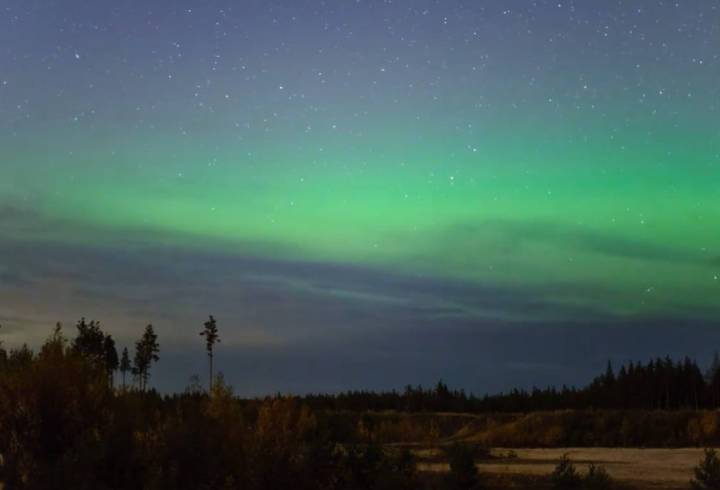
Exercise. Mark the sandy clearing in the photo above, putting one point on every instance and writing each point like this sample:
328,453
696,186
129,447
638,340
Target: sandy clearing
650,468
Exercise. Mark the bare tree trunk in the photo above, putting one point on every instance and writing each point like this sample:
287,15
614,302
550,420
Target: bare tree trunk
211,373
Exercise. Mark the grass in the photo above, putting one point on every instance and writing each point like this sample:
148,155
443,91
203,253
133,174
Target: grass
663,469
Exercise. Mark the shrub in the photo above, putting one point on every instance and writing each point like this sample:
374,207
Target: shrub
565,476
707,473
597,478
463,472
404,464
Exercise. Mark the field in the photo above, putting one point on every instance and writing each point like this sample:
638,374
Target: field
664,469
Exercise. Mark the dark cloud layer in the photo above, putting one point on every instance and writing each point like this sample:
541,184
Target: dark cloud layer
302,326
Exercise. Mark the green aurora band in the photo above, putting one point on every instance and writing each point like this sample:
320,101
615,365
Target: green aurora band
633,226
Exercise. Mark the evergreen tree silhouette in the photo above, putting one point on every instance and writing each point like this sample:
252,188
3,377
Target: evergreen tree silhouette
210,333
125,365
3,354
111,358
146,352
90,342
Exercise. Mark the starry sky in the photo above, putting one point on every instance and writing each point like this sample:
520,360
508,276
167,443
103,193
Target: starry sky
365,193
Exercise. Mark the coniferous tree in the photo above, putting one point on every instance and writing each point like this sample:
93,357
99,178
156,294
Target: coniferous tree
146,352
708,380
3,354
714,368
111,358
99,349
210,332
714,389
609,374
90,342
55,346
125,365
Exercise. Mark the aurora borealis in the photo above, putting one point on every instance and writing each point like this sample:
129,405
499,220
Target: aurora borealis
362,187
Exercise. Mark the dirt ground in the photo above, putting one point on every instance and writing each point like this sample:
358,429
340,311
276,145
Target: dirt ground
650,469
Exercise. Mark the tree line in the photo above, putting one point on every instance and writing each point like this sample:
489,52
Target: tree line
100,351
660,384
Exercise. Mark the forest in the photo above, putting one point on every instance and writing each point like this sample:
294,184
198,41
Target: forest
660,384
78,414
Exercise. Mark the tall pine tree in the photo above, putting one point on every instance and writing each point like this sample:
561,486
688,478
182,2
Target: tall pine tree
210,332
125,366
146,352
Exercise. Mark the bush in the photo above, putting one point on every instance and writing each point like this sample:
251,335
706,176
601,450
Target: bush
565,476
371,467
405,466
707,473
597,478
463,472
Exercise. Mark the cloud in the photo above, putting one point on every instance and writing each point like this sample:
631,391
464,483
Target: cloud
291,298
510,236
296,326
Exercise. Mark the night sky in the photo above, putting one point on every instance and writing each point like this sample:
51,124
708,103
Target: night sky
365,193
